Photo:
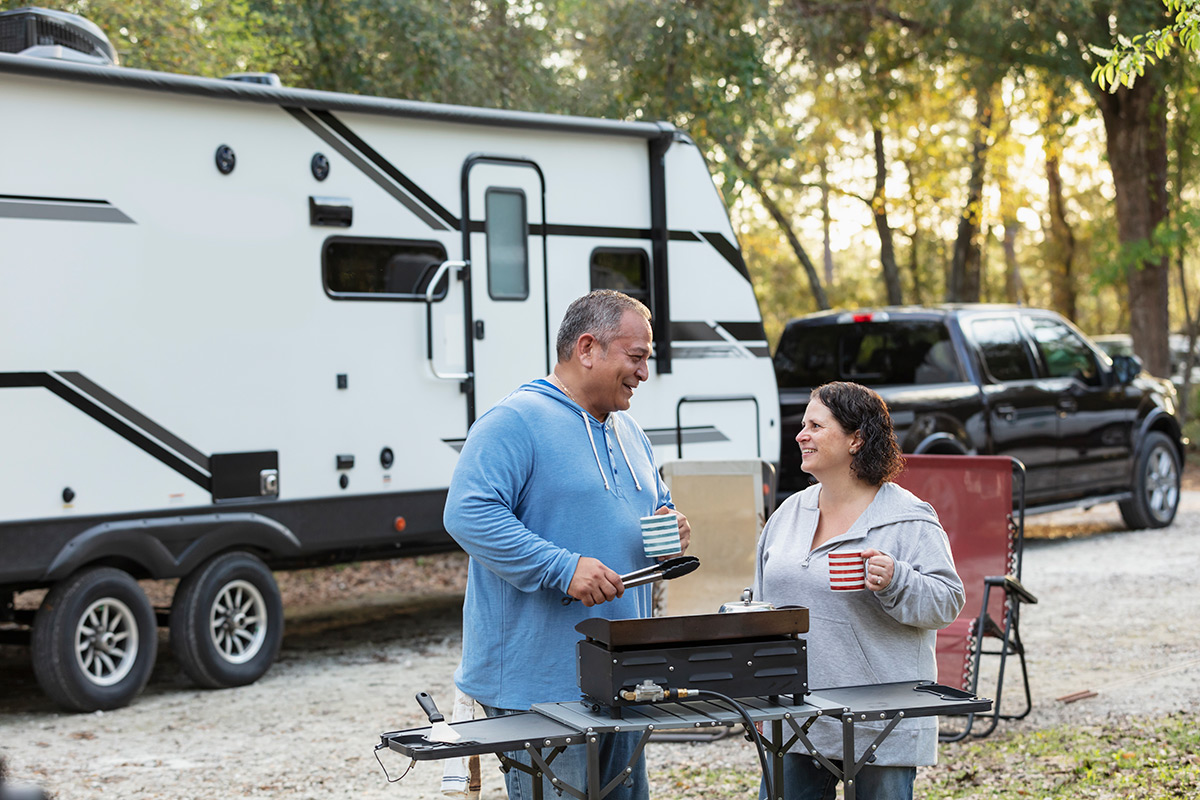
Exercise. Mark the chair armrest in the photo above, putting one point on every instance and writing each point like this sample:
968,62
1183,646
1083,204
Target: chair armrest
1011,586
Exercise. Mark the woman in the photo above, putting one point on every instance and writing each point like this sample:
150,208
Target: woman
884,633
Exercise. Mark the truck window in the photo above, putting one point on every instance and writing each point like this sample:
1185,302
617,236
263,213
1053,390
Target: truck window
1005,356
507,244
1063,353
356,268
872,353
626,270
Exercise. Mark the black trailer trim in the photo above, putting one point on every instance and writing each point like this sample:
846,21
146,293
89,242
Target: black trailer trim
313,99
307,533
388,167
105,398
61,209
340,136
660,301
92,406
730,250
367,169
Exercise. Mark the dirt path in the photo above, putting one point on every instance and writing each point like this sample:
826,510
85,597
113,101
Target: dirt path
1116,616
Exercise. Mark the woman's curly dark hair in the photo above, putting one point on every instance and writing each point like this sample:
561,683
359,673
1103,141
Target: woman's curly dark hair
857,408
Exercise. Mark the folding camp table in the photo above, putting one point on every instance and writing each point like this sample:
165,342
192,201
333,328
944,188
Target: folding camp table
549,728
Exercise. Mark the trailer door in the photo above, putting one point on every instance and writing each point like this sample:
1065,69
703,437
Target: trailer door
505,243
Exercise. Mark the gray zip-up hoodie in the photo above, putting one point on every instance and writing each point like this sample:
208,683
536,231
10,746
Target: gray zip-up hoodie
863,637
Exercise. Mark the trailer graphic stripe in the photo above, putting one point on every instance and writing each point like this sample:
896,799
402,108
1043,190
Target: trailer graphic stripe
137,418
67,209
108,420
340,136
388,167
354,158
694,434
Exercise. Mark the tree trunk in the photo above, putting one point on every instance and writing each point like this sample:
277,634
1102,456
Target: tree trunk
887,250
826,222
785,225
915,240
814,280
1014,289
963,285
1135,124
1062,241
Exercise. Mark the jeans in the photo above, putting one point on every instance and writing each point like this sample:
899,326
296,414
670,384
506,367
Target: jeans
805,779
571,767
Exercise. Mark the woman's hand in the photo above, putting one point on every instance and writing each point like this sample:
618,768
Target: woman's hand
880,569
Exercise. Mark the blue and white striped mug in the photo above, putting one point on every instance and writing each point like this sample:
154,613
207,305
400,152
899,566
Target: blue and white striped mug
660,535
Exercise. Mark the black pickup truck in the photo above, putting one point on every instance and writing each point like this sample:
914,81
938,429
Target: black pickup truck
997,380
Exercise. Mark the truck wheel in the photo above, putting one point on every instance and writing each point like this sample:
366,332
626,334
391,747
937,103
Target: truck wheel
94,640
1155,485
227,621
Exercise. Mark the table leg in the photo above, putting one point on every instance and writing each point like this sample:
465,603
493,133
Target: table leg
849,767
593,767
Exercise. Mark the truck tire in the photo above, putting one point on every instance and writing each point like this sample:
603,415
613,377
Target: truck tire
1155,485
94,640
227,621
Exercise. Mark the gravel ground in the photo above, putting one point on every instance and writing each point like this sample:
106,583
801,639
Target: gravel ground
1116,617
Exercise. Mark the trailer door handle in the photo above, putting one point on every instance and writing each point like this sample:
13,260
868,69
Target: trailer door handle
430,289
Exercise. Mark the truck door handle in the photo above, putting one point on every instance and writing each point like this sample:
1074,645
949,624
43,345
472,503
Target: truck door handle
1067,405
1006,412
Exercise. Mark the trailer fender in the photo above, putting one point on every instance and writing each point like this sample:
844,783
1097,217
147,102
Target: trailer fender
174,546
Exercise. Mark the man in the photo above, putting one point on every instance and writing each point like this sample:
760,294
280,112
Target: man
546,499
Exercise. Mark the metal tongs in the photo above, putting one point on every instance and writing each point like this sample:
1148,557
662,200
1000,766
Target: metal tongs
667,570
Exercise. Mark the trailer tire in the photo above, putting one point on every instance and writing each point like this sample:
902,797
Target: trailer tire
94,640
1155,485
227,621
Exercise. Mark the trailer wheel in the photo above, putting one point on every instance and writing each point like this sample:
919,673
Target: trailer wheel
1155,485
227,621
94,640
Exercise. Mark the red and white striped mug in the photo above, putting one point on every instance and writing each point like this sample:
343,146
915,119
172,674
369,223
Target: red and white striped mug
847,571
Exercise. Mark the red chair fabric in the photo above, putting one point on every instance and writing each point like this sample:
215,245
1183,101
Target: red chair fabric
973,497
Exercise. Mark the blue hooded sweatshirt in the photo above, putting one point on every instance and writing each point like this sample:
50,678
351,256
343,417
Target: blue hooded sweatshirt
541,483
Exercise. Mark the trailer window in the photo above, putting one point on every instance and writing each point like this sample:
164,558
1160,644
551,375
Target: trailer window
626,271
507,244
381,269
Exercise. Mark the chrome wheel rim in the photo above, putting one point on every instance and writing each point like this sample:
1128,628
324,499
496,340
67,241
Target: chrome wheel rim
106,642
1162,484
237,622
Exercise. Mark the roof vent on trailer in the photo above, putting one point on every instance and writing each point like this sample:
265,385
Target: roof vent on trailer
42,33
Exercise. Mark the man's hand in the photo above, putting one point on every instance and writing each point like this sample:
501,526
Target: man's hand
593,583
685,530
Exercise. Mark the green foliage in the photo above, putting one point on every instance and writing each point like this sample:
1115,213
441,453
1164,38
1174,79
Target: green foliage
1128,60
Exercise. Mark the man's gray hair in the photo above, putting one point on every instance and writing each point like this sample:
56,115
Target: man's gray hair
598,313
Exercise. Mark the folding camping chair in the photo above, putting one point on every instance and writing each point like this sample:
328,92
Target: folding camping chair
973,497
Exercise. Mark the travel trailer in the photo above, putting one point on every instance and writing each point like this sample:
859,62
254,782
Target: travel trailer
247,327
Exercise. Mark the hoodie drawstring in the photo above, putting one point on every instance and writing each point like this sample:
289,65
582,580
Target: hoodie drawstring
617,434
595,452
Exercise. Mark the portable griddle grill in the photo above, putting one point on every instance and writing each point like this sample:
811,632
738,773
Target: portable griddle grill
758,659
